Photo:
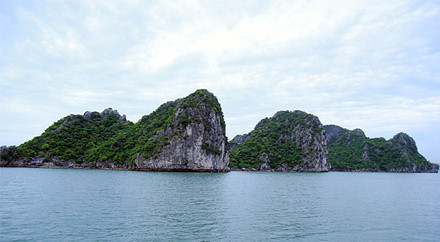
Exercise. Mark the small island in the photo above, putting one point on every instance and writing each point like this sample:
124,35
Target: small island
288,141
351,150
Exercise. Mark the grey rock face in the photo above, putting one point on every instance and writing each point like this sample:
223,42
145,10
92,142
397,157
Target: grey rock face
237,141
200,145
265,167
333,132
108,111
401,140
87,115
313,143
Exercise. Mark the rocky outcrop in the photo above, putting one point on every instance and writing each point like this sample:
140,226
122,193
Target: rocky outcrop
107,112
333,132
353,151
193,140
185,135
237,141
288,141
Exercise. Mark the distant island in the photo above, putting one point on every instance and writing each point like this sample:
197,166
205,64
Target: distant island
297,141
351,150
189,134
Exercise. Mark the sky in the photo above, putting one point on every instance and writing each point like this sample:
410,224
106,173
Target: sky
373,65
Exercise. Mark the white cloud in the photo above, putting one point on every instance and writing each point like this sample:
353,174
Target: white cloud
386,115
56,41
353,63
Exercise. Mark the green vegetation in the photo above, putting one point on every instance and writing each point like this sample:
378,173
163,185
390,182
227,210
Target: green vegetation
9,153
124,146
353,151
271,141
210,149
72,137
108,137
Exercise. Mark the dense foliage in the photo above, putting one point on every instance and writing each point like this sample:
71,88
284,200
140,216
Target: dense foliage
108,137
72,137
271,141
124,146
354,151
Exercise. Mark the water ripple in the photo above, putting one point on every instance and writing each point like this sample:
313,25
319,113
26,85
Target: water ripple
65,204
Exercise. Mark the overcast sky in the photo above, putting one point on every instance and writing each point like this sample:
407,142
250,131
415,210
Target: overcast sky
373,65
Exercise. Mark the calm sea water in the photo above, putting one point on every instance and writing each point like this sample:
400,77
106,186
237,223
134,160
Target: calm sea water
72,204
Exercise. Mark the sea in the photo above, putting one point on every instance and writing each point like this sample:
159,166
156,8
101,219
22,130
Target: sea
43,204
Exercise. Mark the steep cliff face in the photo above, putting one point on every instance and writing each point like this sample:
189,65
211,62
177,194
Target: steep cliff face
194,138
353,151
187,134
288,141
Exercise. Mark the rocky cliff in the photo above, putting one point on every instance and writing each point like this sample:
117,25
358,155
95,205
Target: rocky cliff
185,135
288,141
193,139
353,151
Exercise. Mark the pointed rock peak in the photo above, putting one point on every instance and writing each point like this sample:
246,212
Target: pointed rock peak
200,93
109,111
87,115
404,139
333,132
359,132
203,91
402,135
201,100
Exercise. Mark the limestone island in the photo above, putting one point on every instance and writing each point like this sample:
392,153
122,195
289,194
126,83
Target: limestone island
187,134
